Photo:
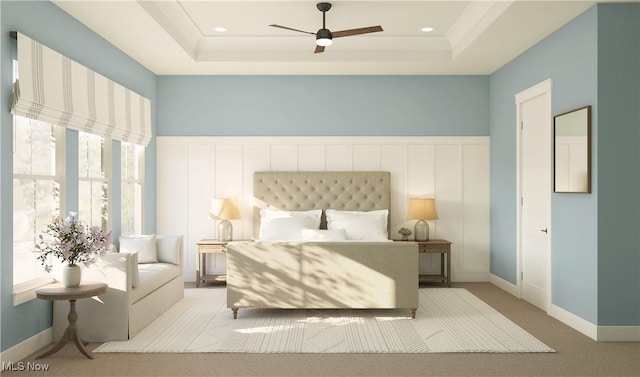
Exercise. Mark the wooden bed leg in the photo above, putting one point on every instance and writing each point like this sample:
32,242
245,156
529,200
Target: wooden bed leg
235,313
413,313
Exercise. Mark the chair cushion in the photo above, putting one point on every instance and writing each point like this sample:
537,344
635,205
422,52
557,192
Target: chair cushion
153,276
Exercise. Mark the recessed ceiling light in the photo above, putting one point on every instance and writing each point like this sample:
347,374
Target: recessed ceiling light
220,29
427,29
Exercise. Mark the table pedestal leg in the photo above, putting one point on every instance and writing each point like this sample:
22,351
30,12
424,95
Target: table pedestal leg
71,333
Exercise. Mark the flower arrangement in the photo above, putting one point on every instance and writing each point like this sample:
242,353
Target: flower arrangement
405,233
71,241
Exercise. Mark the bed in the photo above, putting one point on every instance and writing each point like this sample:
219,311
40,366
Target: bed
341,264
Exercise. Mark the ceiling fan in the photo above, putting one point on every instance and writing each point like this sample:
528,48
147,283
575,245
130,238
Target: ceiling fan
324,36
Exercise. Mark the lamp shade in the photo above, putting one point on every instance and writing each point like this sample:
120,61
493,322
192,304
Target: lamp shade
422,209
224,209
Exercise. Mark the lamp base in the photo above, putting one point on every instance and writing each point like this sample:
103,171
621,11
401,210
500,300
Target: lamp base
421,230
225,231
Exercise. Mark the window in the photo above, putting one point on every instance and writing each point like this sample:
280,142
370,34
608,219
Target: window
40,149
38,161
132,169
93,179
36,192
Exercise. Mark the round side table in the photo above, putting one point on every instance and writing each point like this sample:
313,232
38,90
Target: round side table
59,292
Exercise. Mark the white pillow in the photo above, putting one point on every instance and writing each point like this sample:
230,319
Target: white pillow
360,225
284,229
144,245
323,235
167,247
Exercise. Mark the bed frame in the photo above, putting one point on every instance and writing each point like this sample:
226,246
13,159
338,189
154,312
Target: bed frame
322,275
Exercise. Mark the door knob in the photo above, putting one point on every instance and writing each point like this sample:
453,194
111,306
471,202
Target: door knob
544,230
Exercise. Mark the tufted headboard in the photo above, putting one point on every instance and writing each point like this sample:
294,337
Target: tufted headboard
299,191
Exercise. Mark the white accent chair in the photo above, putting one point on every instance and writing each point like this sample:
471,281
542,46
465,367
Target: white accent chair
136,296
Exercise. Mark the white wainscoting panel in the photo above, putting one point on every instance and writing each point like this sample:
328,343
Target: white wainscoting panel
453,170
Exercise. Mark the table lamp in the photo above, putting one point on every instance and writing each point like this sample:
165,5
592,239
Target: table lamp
224,209
421,209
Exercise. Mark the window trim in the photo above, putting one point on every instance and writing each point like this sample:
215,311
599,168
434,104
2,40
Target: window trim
142,177
108,176
26,290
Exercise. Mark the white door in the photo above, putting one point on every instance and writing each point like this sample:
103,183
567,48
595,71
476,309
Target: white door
535,199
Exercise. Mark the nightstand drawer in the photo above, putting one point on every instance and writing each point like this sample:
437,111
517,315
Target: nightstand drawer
433,248
204,248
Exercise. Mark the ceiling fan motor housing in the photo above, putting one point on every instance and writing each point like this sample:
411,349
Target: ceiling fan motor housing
323,37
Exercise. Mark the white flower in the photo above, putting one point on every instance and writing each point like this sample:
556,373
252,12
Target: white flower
68,240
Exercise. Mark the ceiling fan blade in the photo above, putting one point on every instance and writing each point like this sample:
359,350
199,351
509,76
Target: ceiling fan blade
362,30
288,28
318,49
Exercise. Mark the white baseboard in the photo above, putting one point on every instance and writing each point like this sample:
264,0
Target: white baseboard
595,332
27,347
619,333
504,285
575,322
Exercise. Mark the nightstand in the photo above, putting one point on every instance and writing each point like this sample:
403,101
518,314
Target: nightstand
442,247
204,247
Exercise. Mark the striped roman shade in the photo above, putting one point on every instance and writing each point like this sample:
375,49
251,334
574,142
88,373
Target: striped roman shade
58,90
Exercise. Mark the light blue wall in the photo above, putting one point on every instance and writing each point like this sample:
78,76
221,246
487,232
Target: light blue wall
323,105
48,24
569,58
594,60
618,178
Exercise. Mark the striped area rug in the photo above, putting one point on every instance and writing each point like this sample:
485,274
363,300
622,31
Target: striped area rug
448,320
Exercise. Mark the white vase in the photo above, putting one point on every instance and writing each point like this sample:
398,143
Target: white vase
71,275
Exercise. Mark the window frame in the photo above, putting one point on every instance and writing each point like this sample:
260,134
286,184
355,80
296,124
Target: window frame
106,179
140,157
26,290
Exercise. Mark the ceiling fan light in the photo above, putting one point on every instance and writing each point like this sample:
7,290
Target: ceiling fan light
323,38
324,42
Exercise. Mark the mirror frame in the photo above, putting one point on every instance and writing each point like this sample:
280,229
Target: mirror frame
556,118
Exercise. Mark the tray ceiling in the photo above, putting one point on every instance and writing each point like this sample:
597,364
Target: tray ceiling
179,37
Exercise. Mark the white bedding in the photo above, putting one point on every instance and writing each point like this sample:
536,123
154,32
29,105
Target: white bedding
279,225
307,241
360,225
304,226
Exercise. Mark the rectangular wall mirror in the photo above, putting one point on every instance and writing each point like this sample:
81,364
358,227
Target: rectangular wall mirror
572,151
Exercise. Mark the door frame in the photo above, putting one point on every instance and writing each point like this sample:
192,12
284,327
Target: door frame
544,87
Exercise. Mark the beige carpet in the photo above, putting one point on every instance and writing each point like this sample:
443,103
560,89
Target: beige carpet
576,355
448,320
